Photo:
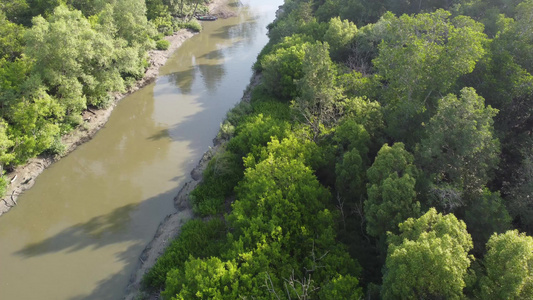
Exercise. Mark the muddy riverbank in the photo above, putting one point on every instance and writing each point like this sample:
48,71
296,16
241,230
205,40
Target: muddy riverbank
170,227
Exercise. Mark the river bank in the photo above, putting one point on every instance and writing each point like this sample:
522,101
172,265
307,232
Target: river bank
170,227
23,177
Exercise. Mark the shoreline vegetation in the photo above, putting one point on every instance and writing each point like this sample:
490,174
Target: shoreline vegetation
383,143
23,177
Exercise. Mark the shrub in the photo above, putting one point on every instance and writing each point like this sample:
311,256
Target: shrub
239,113
222,174
162,45
3,185
193,25
57,147
226,130
198,239
255,133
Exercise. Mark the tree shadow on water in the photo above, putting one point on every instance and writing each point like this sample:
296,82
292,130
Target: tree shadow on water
112,228
89,234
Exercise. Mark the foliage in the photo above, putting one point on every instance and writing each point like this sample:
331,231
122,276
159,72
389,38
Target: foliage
283,67
486,215
460,149
352,140
519,194
318,96
391,190
11,38
193,25
219,178
255,133
339,36
264,103
428,259
196,239
203,279
162,45
298,20
420,57
509,265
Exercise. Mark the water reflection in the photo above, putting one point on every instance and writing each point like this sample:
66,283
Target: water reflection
184,80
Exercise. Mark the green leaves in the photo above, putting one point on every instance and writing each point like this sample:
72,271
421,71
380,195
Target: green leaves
460,149
428,259
339,36
11,38
283,67
391,190
419,57
509,267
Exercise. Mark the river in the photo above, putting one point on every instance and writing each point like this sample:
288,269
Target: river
78,233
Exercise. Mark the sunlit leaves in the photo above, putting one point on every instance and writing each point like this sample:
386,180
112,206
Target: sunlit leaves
428,259
509,267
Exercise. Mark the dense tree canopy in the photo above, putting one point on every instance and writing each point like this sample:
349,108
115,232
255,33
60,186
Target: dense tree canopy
368,114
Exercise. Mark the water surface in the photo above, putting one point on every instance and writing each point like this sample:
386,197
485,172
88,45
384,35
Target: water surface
77,234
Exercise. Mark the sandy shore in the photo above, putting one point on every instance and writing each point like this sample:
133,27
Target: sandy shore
23,177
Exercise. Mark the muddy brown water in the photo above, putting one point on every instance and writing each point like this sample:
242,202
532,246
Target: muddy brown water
78,233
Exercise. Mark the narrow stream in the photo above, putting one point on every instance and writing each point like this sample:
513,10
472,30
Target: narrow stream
77,234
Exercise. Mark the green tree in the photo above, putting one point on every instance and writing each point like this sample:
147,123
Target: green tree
428,259
342,287
43,8
460,150
509,267
391,190
34,125
352,142
283,67
297,19
83,68
360,12
6,156
13,76
318,97
519,193
11,38
281,204
487,215
255,133
279,192
197,239
132,24
16,11
339,36
203,279
419,58
88,7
